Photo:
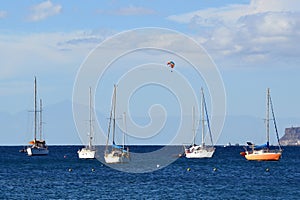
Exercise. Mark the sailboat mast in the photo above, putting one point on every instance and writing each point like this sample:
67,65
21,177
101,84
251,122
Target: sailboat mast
110,119
203,118
90,134
194,128
41,122
268,117
35,110
114,112
125,129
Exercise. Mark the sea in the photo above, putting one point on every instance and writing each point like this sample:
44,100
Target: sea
228,175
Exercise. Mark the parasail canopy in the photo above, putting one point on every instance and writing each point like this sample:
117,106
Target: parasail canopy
171,64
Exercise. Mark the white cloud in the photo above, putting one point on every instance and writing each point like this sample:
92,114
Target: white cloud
64,51
258,6
129,10
232,13
262,29
133,10
3,14
45,52
212,16
44,10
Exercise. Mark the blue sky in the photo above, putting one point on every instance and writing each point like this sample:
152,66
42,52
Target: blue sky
254,44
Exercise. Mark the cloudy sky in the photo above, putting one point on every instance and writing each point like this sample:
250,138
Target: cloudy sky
254,44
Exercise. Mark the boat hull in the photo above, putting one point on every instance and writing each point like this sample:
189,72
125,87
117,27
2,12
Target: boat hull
200,153
263,156
114,157
86,153
34,151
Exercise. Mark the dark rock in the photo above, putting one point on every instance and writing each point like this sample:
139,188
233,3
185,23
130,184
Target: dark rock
291,137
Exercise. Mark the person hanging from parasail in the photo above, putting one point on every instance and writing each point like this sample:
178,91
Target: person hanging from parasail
171,64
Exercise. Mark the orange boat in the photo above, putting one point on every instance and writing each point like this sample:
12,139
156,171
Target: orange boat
263,152
263,155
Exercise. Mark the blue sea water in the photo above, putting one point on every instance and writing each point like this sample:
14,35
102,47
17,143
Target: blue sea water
61,175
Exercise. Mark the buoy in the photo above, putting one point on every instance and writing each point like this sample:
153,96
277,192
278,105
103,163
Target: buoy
93,169
267,169
70,169
157,165
65,156
188,169
215,169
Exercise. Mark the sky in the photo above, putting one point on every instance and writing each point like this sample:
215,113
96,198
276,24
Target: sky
253,44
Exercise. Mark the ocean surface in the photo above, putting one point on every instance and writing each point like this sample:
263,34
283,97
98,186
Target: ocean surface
61,175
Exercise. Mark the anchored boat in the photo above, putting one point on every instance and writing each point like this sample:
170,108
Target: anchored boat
89,151
115,153
264,152
201,151
39,146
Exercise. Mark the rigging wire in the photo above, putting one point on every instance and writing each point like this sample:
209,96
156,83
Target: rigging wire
275,125
207,119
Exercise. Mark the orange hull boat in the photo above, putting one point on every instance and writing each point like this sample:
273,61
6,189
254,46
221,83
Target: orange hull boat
263,156
263,152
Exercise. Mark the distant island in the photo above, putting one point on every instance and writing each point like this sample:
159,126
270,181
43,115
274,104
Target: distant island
291,137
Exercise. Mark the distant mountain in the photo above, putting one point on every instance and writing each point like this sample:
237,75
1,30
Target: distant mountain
241,129
59,128
291,137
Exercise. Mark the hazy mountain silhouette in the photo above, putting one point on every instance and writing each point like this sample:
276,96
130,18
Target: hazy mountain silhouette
59,127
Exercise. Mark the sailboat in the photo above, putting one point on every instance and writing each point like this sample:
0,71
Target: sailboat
263,152
39,146
201,151
89,151
116,153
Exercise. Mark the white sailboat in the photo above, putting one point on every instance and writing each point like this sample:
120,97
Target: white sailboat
201,151
89,151
39,146
117,154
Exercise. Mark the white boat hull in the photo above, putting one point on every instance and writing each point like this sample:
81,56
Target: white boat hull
200,153
86,153
37,151
111,158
